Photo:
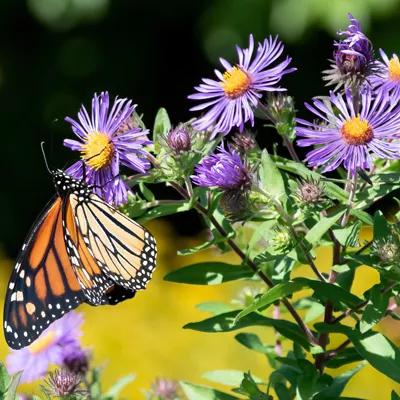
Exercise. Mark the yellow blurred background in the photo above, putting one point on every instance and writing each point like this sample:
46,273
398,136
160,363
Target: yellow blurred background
144,336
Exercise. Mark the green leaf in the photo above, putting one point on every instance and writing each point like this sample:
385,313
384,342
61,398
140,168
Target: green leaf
4,380
120,385
383,184
374,347
252,342
162,125
381,227
348,236
323,225
375,309
229,377
249,388
11,393
344,357
196,392
166,209
380,352
277,292
328,291
394,396
209,273
147,193
339,383
214,307
271,178
307,385
226,323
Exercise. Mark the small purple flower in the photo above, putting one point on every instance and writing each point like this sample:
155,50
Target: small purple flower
51,347
355,51
224,169
353,57
230,100
388,79
104,146
164,389
347,138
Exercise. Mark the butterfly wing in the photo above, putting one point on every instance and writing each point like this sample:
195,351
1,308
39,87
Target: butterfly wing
43,285
124,250
97,287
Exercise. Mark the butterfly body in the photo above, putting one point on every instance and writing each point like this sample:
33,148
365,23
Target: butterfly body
81,250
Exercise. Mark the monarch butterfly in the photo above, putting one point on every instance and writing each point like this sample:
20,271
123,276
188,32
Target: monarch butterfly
81,250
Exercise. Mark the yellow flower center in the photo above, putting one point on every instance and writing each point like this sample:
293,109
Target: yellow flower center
235,82
98,150
43,342
357,131
394,68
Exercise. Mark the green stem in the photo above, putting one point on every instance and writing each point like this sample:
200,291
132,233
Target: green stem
310,336
321,359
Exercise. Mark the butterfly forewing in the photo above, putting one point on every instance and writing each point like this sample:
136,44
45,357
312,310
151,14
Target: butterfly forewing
43,285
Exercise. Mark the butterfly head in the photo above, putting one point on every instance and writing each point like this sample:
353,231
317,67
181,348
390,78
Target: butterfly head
65,184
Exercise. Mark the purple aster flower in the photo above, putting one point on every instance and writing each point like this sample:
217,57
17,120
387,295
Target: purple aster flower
51,347
345,137
104,145
230,100
353,57
388,79
225,170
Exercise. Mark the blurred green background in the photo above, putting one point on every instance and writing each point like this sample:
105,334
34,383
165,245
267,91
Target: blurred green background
55,53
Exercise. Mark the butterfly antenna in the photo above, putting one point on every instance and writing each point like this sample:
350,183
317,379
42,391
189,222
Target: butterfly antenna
44,157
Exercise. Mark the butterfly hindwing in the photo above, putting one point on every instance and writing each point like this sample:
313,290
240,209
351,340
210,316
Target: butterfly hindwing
123,249
43,285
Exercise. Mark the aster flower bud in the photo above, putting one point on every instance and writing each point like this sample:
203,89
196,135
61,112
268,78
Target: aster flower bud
62,383
387,250
310,192
235,204
282,240
164,389
243,142
281,112
179,140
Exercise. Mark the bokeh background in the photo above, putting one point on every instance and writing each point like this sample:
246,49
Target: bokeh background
55,53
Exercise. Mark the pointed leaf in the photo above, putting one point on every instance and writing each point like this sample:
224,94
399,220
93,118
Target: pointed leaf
323,225
226,323
196,392
272,295
209,273
339,383
229,377
11,393
271,178
162,125
375,309
120,385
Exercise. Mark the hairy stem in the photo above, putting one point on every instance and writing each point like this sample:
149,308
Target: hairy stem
292,151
